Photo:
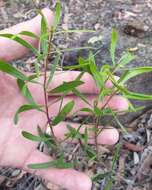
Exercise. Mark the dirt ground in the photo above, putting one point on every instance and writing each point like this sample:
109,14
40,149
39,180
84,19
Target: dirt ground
133,20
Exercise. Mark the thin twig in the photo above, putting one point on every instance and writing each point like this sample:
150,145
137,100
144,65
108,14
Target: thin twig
46,61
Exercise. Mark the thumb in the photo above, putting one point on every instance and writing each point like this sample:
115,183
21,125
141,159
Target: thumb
66,178
15,49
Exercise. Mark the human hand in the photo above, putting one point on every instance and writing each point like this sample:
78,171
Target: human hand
17,151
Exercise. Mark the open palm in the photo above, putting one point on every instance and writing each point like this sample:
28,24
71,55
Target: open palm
17,151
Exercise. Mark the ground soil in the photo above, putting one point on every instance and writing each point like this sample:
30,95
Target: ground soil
133,20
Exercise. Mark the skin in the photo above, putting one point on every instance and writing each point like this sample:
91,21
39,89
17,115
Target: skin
17,151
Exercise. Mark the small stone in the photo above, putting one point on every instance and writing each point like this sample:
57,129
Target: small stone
136,29
136,158
16,172
97,26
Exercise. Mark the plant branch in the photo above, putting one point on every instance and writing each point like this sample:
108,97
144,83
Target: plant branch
46,61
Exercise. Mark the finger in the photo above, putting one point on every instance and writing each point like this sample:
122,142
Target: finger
116,103
15,147
66,178
16,50
107,135
89,86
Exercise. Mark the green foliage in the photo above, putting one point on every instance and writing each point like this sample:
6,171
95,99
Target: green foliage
114,39
25,91
35,138
63,113
21,42
66,87
29,34
9,69
26,108
85,65
57,17
58,163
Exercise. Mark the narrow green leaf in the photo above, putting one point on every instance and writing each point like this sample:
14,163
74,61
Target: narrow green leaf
128,74
73,133
119,123
8,68
25,91
76,66
53,68
88,110
97,111
58,163
44,34
99,176
84,64
24,108
81,96
86,136
129,94
44,27
75,31
109,184
35,138
63,113
138,96
66,87
29,34
125,59
51,144
21,42
94,71
116,155
90,152
114,39
57,16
